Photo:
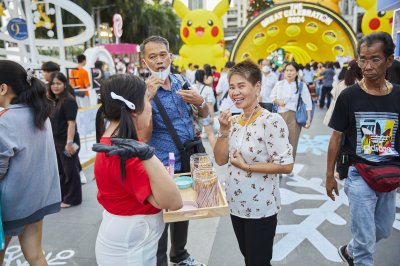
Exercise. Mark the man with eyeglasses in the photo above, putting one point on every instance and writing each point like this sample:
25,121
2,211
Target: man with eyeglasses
168,90
366,115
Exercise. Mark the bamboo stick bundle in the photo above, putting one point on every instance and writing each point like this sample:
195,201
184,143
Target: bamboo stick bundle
206,187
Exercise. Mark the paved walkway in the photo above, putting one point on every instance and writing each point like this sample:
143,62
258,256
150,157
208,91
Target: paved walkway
310,228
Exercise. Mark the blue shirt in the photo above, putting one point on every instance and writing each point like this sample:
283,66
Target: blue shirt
179,113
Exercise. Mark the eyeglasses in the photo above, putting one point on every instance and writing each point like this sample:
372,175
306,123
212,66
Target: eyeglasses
373,61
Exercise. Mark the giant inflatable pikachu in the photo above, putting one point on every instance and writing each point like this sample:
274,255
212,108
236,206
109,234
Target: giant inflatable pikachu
202,32
373,20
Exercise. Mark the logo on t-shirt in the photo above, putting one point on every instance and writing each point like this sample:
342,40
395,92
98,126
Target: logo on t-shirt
377,136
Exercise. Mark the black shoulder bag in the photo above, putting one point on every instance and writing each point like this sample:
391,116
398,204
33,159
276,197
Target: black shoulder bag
188,148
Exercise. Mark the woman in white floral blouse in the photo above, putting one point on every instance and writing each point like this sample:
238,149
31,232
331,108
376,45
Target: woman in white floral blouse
256,148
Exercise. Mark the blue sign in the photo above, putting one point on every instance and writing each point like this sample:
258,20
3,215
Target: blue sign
17,29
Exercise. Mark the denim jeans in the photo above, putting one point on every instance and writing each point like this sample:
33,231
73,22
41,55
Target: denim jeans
372,215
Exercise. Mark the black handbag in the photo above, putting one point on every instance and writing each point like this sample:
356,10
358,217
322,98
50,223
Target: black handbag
188,148
342,162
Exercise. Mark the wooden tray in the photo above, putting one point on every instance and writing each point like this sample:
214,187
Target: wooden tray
190,195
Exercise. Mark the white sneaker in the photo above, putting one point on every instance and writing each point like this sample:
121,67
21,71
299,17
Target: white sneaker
83,177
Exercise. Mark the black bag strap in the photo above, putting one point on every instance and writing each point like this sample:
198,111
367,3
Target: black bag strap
225,95
201,91
168,123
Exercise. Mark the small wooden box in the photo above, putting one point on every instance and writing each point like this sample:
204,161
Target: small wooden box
190,195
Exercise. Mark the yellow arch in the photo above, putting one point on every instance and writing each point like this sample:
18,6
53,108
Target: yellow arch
305,44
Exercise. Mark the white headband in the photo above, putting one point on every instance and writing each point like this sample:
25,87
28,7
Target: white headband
122,99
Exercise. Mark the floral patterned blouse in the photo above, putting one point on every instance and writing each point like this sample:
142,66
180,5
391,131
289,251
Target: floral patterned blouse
264,138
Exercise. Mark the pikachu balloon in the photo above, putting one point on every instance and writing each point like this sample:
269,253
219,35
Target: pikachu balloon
202,32
373,20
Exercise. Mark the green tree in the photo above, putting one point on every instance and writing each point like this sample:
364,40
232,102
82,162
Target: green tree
140,20
257,6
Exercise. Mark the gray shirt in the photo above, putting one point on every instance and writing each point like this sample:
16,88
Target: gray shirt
30,185
328,77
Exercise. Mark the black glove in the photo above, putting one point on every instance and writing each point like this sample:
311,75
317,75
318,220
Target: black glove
126,148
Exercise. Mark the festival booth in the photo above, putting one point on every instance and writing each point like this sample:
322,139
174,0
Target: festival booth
129,50
306,31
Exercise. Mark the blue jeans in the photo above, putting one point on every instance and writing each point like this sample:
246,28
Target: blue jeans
372,215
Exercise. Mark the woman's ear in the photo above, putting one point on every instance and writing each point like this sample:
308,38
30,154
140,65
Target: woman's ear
258,88
3,89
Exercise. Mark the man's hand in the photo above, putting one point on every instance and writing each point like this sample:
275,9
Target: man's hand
191,96
152,84
126,148
280,103
331,185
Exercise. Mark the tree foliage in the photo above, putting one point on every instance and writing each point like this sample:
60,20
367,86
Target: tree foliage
257,6
140,19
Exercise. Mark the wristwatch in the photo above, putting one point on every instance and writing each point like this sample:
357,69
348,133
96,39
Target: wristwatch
222,135
203,104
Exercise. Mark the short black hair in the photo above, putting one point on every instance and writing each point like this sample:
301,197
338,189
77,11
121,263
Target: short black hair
385,38
260,61
50,66
81,58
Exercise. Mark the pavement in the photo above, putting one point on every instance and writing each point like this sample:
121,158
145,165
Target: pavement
310,226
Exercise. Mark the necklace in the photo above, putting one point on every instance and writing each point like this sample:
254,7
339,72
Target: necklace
251,115
387,86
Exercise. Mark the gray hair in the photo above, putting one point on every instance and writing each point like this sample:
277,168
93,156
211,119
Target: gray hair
156,39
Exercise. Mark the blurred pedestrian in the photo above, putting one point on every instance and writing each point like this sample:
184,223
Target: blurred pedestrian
286,95
268,82
327,81
29,182
79,80
66,139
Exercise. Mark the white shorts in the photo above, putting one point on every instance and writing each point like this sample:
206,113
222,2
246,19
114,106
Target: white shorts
128,240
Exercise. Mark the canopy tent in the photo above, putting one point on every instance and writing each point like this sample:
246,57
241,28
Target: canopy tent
388,5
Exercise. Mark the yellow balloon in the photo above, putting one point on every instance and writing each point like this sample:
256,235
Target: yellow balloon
374,21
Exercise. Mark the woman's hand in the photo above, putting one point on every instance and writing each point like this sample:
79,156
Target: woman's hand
308,124
280,103
238,161
225,121
70,149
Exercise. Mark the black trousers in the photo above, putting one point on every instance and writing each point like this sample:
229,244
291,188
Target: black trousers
255,238
267,106
177,253
326,91
68,169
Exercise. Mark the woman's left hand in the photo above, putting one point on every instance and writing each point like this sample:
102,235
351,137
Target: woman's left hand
70,149
237,160
308,124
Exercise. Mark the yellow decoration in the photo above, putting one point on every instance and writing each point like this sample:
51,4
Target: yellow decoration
202,32
293,30
331,4
259,39
45,21
305,31
273,31
1,10
311,27
373,20
329,37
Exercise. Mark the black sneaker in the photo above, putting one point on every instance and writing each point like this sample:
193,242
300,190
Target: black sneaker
345,257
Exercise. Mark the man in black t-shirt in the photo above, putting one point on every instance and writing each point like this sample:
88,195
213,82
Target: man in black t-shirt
366,115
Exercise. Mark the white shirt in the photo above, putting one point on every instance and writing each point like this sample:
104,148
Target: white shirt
256,195
206,91
267,84
287,92
223,88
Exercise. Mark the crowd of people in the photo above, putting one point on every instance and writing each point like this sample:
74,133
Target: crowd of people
248,112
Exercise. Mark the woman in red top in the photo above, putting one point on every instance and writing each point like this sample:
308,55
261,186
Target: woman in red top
133,185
